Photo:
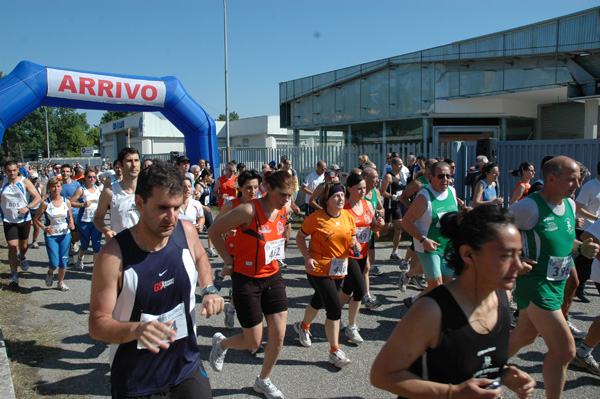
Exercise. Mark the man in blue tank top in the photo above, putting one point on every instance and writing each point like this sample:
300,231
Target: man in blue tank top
142,298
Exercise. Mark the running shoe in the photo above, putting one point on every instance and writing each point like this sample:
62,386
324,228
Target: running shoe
408,302
79,265
255,351
212,253
303,335
75,247
63,287
338,359
375,271
370,303
404,266
229,315
71,261
267,388
23,263
34,245
49,278
577,333
353,335
587,363
580,294
419,281
282,264
394,256
217,354
403,281
218,280
14,282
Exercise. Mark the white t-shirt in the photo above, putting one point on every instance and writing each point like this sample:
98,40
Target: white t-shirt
311,182
192,212
589,196
594,230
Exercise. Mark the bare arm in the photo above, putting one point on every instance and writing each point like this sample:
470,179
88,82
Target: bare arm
103,206
106,281
309,263
38,218
211,303
410,190
305,190
384,186
240,216
216,188
315,196
478,195
34,193
75,198
582,210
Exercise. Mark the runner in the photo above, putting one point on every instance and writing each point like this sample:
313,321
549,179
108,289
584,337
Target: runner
16,215
527,172
247,191
547,223
89,193
224,188
191,210
454,341
120,197
486,188
374,197
69,186
57,231
143,296
366,221
422,223
332,231
203,187
258,286
34,177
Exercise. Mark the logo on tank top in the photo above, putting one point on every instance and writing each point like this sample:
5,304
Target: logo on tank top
569,226
280,228
163,284
264,229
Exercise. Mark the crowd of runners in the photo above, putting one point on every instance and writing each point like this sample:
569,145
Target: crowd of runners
494,273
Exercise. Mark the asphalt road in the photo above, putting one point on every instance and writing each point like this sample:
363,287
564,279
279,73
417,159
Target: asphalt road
79,368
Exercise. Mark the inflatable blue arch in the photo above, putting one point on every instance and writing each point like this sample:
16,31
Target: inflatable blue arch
31,85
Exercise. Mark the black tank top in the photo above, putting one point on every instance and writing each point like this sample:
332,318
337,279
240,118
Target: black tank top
204,195
461,352
393,188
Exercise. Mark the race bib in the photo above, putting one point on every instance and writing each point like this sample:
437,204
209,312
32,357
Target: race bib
559,268
274,250
362,234
176,315
339,267
60,229
14,205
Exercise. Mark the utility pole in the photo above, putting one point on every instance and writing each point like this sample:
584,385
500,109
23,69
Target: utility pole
226,82
47,133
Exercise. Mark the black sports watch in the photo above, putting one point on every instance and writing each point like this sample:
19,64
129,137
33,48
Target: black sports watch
209,289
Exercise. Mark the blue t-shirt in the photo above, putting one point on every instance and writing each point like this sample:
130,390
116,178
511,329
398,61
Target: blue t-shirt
67,191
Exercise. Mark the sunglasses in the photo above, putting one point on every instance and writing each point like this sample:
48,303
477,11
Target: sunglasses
442,176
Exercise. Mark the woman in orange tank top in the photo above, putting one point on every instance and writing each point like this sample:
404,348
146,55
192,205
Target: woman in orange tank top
365,220
527,172
258,287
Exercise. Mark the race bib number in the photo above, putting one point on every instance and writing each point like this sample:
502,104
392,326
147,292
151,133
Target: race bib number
15,205
274,250
60,230
176,315
559,268
362,234
339,267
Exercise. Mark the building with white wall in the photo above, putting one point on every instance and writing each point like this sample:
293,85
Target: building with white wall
151,134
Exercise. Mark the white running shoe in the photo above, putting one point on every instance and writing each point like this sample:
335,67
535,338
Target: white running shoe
577,333
229,315
79,265
267,388
217,354
353,335
338,358
403,281
588,363
303,335
404,266
63,287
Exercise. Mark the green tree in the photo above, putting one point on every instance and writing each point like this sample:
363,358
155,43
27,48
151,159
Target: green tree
110,116
233,116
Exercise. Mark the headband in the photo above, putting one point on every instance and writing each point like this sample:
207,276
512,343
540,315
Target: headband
338,188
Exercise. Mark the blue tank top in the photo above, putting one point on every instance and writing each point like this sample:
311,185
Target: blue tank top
160,283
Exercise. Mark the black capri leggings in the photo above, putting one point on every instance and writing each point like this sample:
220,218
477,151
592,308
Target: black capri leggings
326,295
354,282
208,219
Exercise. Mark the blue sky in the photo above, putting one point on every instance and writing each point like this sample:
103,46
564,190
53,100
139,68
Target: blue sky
269,41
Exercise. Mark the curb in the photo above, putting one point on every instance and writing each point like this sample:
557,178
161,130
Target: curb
7,390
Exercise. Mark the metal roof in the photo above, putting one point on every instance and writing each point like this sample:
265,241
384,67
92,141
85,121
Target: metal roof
574,33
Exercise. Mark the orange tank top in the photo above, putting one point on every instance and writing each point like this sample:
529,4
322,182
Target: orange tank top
363,228
227,188
260,245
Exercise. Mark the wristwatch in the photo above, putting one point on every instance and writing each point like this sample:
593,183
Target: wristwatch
228,267
209,289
